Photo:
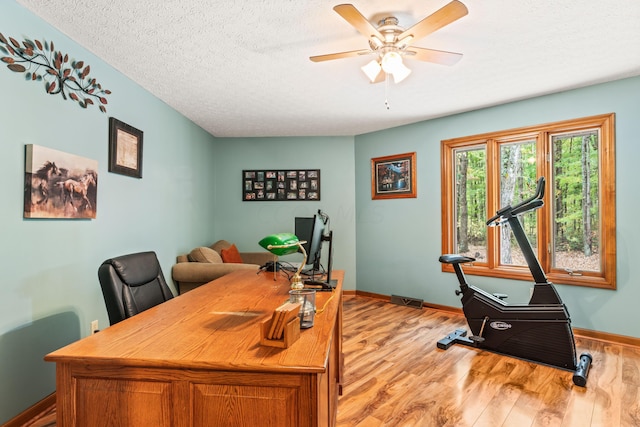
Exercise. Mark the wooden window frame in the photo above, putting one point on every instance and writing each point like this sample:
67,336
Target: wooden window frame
606,278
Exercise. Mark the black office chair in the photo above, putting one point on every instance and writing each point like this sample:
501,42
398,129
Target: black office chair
132,284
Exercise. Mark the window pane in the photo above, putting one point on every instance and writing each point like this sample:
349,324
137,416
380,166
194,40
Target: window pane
518,177
471,202
573,236
576,210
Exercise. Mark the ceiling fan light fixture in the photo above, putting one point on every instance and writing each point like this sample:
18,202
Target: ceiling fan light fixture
372,69
391,61
390,42
392,64
400,73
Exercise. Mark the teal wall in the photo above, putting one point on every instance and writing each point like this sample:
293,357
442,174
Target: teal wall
190,195
414,225
247,222
49,292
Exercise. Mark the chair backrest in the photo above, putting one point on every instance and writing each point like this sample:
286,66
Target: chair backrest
132,284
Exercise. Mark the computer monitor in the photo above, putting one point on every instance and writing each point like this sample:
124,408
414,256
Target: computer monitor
311,230
315,231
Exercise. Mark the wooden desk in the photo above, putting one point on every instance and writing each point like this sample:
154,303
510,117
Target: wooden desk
196,360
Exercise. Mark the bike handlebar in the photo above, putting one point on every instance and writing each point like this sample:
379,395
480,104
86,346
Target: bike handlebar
533,202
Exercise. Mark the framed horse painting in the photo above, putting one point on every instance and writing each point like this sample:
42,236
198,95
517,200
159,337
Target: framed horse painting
59,184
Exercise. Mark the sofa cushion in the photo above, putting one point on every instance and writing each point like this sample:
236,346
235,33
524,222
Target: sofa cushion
220,245
231,255
204,254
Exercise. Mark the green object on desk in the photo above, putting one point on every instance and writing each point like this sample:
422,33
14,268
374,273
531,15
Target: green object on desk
284,244
281,243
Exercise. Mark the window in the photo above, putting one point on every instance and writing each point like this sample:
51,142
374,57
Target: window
573,234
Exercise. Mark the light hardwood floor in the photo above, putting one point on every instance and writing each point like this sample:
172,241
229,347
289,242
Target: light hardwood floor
396,376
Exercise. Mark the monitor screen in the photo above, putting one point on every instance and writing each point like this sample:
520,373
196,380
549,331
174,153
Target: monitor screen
315,231
311,231
303,230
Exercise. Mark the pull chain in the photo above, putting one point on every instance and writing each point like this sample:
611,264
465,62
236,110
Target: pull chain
386,91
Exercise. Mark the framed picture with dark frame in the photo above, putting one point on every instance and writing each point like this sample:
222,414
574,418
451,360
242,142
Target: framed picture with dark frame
281,185
125,149
394,177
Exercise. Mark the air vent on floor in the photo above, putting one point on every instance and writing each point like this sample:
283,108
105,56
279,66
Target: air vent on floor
406,301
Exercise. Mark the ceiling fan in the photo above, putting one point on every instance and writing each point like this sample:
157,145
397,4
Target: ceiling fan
390,42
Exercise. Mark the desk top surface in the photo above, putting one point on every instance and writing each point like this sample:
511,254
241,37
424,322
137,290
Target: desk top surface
215,326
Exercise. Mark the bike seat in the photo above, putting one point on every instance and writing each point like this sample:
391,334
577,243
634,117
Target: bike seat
455,259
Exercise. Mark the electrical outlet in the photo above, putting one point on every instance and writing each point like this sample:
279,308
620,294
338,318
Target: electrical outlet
94,327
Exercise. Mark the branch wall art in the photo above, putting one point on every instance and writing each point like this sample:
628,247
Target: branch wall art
41,62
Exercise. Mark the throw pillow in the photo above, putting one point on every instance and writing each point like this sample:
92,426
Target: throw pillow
231,254
204,254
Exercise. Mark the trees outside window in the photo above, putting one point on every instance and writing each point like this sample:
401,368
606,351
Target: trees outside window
573,234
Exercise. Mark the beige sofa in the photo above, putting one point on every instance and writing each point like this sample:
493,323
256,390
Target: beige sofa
204,264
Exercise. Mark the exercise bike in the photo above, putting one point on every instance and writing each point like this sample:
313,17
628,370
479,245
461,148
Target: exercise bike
539,331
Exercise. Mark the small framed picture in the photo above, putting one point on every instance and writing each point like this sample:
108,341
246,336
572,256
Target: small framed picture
125,149
394,177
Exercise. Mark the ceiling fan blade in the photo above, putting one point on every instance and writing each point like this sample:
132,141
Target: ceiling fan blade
359,22
339,55
444,16
431,55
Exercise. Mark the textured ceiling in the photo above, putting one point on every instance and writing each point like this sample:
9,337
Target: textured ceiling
241,68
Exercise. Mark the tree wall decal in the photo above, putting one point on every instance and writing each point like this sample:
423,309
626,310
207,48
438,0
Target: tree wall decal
43,63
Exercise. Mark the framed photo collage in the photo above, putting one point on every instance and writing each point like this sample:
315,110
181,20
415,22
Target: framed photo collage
280,185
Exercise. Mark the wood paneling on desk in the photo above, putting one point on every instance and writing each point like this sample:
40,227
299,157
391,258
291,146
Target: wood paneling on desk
196,360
